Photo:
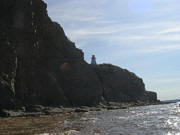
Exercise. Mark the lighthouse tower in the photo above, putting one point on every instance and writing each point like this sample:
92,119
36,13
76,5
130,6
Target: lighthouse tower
93,60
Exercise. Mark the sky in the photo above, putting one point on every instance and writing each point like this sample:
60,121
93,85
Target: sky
142,36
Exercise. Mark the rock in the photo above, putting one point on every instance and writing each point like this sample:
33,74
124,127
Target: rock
71,132
34,108
7,99
150,97
81,85
4,113
80,110
39,64
113,108
120,85
96,109
52,110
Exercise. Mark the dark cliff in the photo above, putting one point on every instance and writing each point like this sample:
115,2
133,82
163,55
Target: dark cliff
120,85
40,65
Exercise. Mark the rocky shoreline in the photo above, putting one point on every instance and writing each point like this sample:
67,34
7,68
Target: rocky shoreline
40,120
39,110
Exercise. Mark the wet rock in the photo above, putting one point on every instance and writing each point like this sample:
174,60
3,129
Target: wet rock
53,110
80,110
34,108
112,108
4,113
71,132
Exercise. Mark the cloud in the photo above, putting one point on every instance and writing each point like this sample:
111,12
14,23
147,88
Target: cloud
159,49
83,20
149,38
172,30
145,38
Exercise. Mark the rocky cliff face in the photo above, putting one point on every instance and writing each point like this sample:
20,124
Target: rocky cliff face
120,85
40,65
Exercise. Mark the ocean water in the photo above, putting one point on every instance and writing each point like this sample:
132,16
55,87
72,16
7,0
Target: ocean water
145,120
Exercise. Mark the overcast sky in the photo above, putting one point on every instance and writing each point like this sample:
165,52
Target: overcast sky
142,36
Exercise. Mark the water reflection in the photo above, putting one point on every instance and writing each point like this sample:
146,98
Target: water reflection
150,120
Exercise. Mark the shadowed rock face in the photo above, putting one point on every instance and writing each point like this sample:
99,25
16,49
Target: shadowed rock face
120,85
40,65
149,96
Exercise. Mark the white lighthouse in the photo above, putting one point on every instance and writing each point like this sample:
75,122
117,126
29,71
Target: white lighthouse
93,60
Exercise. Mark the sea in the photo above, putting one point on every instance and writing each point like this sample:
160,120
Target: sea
144,120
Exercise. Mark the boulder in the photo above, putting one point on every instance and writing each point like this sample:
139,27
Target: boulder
4,113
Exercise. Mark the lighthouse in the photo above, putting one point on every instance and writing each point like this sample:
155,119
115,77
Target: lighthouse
93,60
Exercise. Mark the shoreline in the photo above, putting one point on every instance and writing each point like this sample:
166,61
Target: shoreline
39,110
50,124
